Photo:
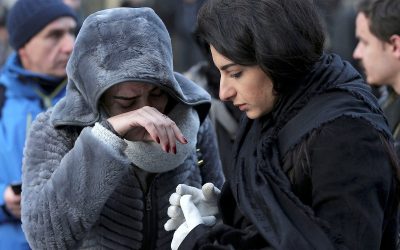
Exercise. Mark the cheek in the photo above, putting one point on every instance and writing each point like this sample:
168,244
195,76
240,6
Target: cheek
266,101
266,97
369,59
112,110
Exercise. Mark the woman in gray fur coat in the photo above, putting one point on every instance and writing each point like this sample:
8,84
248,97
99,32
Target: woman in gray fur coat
100,166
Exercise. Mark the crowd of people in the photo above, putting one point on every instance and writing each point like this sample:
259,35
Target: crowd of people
221,124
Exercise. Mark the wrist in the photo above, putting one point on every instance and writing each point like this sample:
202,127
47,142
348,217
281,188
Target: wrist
106,124
108,137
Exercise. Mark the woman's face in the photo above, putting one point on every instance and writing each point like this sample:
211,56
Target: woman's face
248,87
128,96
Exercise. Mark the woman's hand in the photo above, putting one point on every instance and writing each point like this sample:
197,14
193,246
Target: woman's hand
148,124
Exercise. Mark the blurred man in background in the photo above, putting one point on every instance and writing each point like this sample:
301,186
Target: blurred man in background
42,33
5,48
378,50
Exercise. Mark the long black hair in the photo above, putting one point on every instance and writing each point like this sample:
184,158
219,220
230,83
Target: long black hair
284,37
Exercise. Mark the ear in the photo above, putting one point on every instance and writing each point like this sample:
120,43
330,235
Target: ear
395,42
24,57
22,53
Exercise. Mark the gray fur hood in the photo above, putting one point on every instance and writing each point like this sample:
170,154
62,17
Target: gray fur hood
118,45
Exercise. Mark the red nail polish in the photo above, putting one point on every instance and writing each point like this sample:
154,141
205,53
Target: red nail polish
184,138
174,150
167,148
158,140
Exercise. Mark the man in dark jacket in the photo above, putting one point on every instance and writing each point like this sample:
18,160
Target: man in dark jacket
378,50
33,79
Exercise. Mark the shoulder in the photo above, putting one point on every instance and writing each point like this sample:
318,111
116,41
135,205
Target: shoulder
343,141
346,129
42,122
42,131
341,151
347,143
342,137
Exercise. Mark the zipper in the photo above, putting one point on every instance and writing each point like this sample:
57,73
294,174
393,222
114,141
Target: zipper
47,99
148,202
149,219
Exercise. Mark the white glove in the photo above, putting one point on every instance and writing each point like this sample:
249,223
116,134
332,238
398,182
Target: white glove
205,199
193,219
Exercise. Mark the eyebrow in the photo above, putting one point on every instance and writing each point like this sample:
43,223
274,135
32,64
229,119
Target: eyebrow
57,32
225,67
125,98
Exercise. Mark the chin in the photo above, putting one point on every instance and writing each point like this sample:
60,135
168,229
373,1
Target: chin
251,115
59,74
255,114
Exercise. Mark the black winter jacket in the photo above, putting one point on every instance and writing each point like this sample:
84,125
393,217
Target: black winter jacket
334,189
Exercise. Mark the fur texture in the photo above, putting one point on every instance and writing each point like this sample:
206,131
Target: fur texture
78,191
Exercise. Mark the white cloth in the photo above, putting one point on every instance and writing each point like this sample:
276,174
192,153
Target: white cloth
205,199
193,219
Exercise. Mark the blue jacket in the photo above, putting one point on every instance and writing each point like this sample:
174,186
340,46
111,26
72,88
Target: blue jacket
24,99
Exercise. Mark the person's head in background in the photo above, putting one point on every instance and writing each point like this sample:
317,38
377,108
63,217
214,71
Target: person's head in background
378,49
43,34
135,3
74,4
262,48
5,48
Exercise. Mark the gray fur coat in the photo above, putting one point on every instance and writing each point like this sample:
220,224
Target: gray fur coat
78,191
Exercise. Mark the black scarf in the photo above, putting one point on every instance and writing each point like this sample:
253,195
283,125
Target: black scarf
261,186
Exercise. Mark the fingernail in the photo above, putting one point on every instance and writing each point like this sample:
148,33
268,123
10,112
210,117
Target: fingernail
184,138
174,150
167,148
158,140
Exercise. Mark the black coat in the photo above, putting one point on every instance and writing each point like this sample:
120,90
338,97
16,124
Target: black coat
334,189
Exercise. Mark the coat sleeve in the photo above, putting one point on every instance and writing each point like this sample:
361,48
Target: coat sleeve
211,169
12,139
352,192
66,181
353,182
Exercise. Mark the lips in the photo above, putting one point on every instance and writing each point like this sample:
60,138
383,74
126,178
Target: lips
62,63
242,107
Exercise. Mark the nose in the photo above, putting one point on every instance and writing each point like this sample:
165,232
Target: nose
357,52
226,90
68,43
144,101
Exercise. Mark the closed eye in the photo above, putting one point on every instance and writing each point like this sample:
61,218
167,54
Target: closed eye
125,101
236,75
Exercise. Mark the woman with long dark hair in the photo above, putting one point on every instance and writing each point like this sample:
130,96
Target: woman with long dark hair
314,164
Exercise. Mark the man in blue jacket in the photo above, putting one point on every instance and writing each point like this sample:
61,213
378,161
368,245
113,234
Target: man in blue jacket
33,79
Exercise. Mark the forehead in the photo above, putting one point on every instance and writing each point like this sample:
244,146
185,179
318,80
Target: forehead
130,87
363,31
73,3
62,23
219,59
362,23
